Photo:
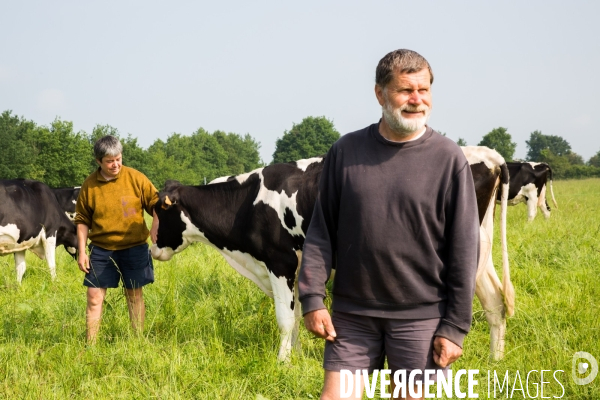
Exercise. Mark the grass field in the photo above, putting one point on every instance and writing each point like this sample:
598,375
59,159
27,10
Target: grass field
211,334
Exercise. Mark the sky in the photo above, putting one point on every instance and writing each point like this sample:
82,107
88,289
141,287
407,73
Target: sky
151,69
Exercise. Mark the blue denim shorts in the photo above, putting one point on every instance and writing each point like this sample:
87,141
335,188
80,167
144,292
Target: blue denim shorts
132,266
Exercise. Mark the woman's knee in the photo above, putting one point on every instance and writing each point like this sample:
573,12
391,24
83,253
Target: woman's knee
95,296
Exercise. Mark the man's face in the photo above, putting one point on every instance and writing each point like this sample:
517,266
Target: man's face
406,102
110,165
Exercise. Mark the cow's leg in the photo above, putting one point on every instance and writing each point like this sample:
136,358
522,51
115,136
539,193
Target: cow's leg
531,208
530,193
50,253
297,307
20,264
287,306
297,319
489,291
285,310
543,204
488,287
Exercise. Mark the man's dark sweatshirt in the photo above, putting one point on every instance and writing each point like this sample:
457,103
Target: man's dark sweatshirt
399,223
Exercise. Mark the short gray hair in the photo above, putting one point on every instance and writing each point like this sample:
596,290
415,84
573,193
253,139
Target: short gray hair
107,146
402,61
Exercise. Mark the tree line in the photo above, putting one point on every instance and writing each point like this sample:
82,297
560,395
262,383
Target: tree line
61,157
551,149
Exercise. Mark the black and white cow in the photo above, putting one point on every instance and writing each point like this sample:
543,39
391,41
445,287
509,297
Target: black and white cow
67,198
528,183
31,219
258,222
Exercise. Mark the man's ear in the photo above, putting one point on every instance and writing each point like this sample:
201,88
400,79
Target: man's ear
379,93
99,162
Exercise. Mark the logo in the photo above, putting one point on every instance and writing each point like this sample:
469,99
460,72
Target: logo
582,368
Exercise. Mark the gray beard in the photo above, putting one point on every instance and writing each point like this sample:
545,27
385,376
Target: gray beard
401,126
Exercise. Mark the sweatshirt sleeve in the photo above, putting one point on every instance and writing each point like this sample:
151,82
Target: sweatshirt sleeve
318,256
462,236
83,211
149,195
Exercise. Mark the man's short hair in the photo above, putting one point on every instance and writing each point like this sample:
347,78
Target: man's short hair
403,61
107,146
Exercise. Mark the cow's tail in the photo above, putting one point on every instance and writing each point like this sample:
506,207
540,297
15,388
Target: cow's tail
551,190
507,286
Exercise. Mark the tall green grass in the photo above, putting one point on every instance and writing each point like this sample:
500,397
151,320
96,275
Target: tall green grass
211,334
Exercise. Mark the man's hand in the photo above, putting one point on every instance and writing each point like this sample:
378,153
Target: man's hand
319,323
445,352
83,261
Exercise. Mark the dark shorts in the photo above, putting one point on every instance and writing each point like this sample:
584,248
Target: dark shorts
132,266
364,342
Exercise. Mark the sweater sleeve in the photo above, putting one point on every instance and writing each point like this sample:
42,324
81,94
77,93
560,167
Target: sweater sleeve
82,207
318,256
462,241
149,195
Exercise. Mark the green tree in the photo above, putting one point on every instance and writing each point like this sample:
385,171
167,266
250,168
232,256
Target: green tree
189,159
17,155
101,131
134,156
574,158
62,156
594,161
461,142
192,159
160,166
310,138
242,152
501,141
568,166
210,159
538,142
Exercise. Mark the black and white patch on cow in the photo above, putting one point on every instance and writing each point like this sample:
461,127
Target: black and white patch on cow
31,219
257,221
67,198
528,183
491,177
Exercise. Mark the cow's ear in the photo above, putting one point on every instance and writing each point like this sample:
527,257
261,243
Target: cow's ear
167,200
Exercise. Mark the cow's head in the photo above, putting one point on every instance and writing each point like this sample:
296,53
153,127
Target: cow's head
67,236
171,223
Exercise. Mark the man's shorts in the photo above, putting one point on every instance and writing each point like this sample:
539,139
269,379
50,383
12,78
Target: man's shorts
132,266
363,342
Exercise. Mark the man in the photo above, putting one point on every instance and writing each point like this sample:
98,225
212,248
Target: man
396,215
110,212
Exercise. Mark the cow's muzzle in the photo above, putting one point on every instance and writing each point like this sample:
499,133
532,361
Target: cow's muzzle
161,254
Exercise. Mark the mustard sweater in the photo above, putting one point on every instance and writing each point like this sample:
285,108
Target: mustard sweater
113,210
